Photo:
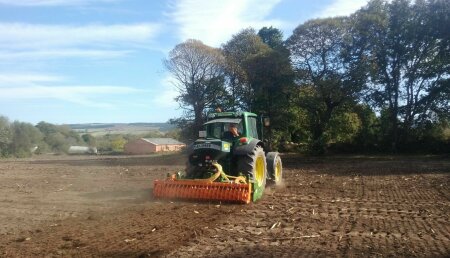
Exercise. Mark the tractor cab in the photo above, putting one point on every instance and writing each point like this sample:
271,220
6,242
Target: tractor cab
221,129
218,125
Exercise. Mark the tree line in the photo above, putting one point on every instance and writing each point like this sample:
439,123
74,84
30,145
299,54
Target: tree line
21,139
376,80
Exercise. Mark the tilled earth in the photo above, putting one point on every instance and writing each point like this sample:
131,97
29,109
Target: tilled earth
334,206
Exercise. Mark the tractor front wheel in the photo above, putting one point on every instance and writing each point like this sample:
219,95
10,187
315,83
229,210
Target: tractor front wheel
275,167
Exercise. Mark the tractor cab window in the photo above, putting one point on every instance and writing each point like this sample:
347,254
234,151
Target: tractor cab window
214,130
253,132
218,130
232,130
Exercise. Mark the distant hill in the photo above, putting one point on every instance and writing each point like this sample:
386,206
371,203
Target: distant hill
120,128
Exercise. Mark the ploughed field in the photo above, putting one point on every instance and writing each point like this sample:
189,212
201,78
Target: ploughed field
333,206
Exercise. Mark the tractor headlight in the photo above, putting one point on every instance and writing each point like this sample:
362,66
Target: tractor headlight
226,146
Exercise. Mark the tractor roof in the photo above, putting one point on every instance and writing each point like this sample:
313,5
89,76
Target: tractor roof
237,114
224,120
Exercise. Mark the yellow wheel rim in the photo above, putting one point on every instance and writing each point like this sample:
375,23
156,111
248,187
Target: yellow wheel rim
278,169
259,170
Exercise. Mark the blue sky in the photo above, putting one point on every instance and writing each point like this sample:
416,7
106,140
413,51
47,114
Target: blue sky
100,61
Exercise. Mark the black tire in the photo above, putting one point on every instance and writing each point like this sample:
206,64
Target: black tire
275,167
248,165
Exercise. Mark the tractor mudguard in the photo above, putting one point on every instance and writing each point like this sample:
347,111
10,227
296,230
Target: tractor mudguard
248,148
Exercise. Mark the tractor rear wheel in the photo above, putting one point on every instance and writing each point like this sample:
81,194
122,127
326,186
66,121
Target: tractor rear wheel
254,165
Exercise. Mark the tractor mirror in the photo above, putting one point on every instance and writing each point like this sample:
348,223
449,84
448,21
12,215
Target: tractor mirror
266,121
202,134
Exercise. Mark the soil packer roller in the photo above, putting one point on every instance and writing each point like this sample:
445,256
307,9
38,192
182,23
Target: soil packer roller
227,163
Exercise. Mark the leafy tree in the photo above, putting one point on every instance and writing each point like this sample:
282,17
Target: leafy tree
112,143
24,137
298,128
46,128
5,136
259,76
174,134
271,36
368,136
58,138
199,73
150,134
104,144
271,78
239,52
89,140
329,71
57,142
187,130
344,127
409,53
379,77
117,143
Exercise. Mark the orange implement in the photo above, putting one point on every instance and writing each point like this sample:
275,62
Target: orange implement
189,189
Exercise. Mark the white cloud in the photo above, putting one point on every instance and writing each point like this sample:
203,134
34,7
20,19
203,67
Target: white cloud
214,22
28,41
62,53
52,2
341,8
7,80
22,35
42,86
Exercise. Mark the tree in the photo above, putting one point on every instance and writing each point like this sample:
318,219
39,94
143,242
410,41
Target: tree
238,52
271,78
57,137
329,71
5,136
24,137
174,134
272,37
368,136
153,134
344,127
199,73
117,142
89,139
409,53
259,75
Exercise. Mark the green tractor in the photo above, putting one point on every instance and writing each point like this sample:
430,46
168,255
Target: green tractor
230,143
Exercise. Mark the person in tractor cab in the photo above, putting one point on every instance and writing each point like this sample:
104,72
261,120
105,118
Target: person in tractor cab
232,132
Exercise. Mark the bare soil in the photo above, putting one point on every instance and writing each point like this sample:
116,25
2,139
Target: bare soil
82,206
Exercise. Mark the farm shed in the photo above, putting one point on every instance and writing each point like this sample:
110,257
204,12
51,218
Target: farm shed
152,145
